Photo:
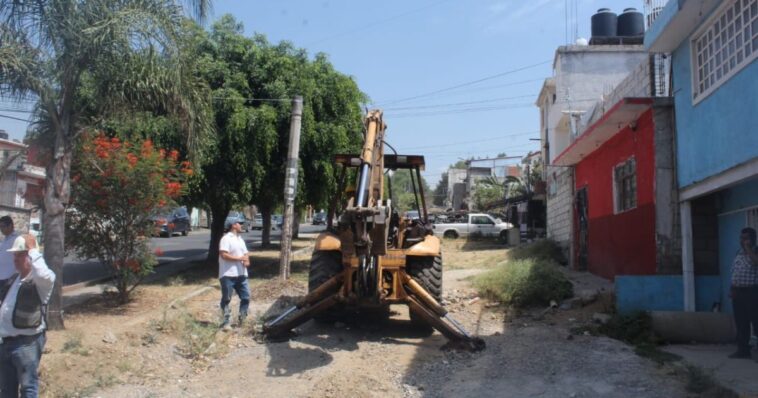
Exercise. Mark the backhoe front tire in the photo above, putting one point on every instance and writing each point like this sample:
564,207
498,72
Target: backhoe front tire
325,265
427,271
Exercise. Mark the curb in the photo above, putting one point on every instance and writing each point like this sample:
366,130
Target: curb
71,289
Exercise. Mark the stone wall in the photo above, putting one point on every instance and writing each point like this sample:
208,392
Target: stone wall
20,217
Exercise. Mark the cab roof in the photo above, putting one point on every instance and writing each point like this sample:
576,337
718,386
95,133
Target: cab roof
390,161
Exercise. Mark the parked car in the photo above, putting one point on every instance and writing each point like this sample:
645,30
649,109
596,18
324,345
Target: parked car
175,221
319,219
276,221
412,215
474,224
238,216
257,222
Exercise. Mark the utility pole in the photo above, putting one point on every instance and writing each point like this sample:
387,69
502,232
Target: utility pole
290,187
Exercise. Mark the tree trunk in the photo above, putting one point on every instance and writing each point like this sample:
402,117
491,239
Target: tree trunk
296,223
57,194
266,231
218,217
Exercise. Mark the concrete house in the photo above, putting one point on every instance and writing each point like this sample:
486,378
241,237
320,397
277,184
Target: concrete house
20,181
625,205
582,75
713,47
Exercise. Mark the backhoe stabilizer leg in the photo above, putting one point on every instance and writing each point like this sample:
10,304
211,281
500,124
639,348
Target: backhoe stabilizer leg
301,316
425,306
309,306
459,338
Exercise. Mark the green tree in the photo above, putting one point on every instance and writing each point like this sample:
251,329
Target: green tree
440,191
252,83
51,49
403,198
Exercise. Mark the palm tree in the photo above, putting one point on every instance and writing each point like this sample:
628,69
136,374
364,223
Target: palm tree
124,51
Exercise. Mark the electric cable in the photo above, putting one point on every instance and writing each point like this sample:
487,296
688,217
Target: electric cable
469,83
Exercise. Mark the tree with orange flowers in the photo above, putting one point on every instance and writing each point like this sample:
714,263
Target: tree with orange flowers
117,186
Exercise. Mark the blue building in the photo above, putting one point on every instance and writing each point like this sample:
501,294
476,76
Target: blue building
713,47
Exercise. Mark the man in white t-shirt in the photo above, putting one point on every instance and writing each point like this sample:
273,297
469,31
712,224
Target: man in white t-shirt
7,269
233,260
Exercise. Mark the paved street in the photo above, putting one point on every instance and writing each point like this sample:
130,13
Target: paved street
175,248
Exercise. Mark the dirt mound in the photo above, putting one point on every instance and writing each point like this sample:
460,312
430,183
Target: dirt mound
272,290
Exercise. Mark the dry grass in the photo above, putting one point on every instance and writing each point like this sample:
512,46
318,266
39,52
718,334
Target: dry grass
472,254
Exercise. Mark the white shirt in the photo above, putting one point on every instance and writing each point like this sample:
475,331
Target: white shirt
235,246
6,258
43,279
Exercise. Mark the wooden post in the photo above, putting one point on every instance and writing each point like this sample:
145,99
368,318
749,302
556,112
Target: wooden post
290,187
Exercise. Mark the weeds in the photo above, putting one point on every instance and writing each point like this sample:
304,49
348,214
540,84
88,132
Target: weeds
149,338
525,283
635,329
544,250
198,337
74,345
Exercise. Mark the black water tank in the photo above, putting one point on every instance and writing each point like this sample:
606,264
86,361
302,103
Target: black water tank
631,23
604,23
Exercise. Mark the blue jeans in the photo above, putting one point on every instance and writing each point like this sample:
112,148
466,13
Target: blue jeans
19,361
239,285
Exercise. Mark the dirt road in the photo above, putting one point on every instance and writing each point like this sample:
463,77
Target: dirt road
363,358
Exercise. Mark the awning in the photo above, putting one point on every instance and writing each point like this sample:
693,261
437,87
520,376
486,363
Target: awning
622,114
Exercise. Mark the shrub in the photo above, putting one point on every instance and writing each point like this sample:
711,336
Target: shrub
116,187
545,250
635,328
524,283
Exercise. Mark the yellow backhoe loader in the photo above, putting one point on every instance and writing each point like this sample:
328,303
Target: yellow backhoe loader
374,257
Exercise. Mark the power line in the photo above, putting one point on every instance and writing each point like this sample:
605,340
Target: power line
495,76
458,111
377,23
254,99
14,118
502,137
459,103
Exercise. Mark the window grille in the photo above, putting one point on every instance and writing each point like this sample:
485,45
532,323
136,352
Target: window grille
625,185
726,44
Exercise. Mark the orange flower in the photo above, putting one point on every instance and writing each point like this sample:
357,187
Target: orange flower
133,265
158,251
132,159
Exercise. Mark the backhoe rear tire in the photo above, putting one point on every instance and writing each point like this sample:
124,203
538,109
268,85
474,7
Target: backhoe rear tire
427,271
324,265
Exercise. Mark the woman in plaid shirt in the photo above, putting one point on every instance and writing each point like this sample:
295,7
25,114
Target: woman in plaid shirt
744,291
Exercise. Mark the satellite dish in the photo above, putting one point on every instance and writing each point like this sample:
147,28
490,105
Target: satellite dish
581,41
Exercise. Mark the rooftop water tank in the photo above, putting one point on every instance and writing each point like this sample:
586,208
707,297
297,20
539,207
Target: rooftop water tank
631,23
604,23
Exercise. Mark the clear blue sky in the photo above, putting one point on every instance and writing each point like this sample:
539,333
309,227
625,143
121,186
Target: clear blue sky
399,49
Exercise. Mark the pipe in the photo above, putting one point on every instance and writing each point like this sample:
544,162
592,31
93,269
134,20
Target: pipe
360,194
688,262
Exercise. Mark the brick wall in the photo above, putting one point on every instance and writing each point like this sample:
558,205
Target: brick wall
636,84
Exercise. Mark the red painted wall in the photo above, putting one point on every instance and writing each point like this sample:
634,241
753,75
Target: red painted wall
624,243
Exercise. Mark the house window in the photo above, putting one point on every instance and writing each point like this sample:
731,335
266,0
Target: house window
625,185
725,44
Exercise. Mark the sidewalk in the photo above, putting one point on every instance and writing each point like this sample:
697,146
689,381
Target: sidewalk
739,375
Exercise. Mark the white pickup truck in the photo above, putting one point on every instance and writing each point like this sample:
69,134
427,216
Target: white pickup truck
477,224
